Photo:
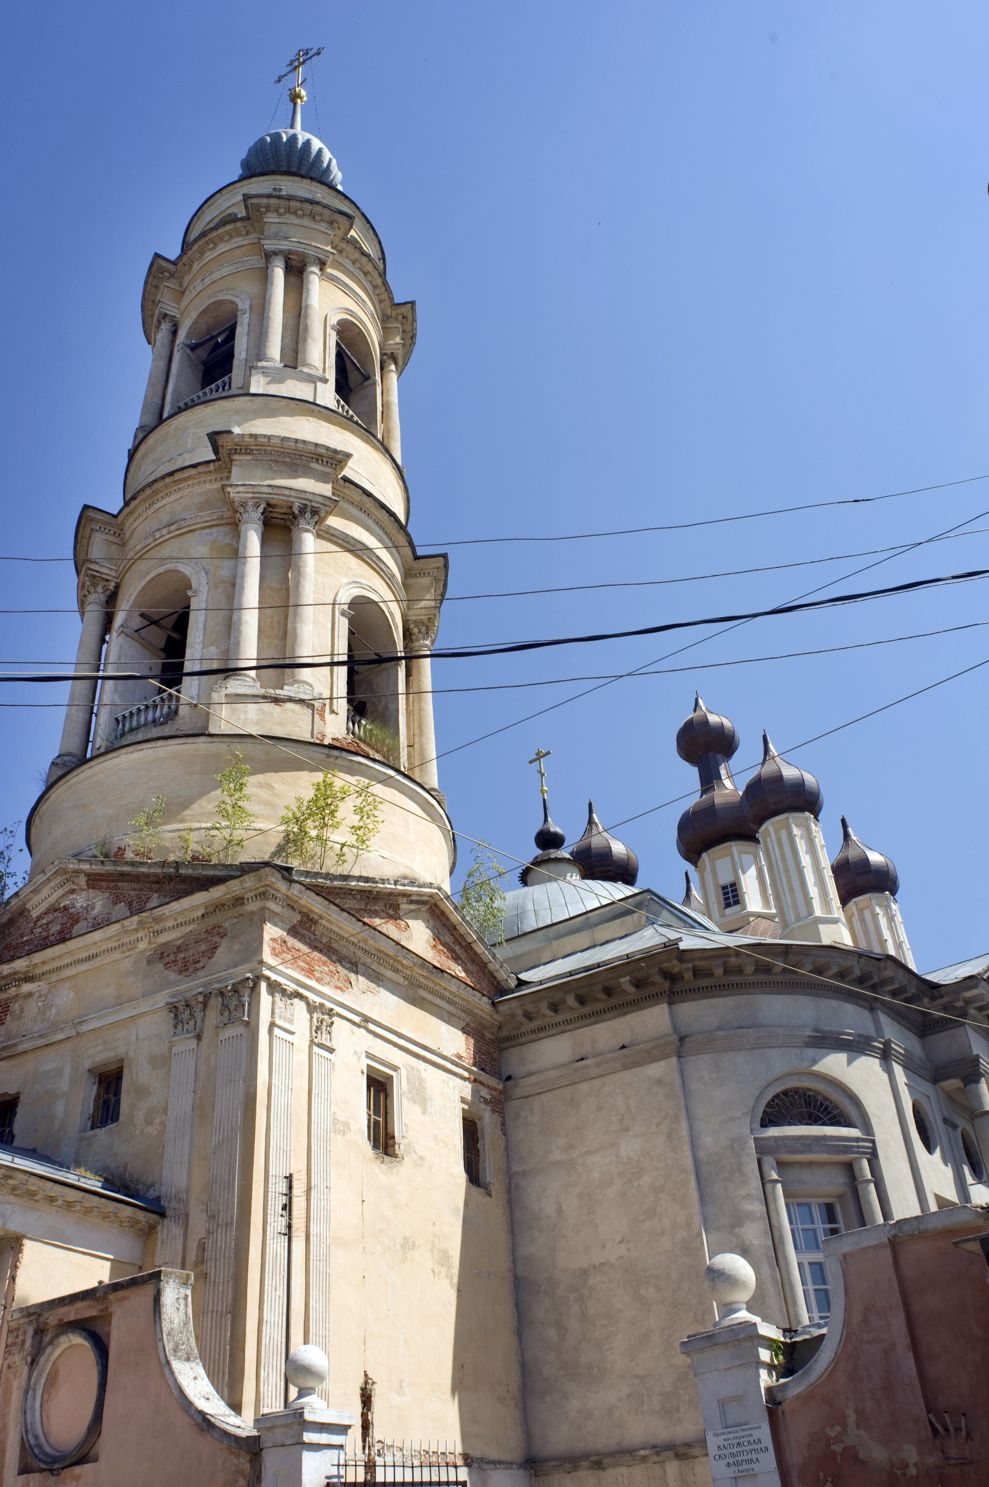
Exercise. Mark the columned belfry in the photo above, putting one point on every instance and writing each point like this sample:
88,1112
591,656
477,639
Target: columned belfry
259,587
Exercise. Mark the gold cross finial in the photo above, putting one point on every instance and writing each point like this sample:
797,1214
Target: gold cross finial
305,54
537,760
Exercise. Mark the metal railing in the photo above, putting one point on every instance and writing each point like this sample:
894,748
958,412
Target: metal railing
347,411
213,391
407,1464
160,709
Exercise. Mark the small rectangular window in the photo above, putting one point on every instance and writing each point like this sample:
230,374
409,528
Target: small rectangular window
377,1114
729,895
8,1115
106,1098
472,1150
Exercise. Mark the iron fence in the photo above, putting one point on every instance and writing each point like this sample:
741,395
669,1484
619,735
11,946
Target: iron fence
407,1464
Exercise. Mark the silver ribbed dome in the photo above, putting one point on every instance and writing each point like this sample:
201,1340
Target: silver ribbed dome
291,152
550,902
859,869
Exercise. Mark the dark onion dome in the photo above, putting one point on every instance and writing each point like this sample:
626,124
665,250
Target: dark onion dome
602,856
705,732
549,836
859,869
715,817
778,788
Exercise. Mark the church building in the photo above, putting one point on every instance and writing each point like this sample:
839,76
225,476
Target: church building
257,1064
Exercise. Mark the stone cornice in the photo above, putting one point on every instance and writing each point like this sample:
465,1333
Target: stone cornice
673,973
88,1203
264,887
160,272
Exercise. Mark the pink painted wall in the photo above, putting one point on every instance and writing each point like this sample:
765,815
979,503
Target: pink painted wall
915,1340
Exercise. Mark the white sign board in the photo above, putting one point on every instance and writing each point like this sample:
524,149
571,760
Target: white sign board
739,1451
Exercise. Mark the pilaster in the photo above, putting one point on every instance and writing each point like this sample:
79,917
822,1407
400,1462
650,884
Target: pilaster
277,1247
187,1015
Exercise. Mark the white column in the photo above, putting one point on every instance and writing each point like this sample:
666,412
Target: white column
277,1251
318,1255
779,1227
161,361
865,1185
391,429
274,309
82,693
801,882
420,638
309,337
224,1180
247,592
302,590
187,1026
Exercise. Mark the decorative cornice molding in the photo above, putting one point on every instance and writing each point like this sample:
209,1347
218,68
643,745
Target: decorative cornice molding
93,1206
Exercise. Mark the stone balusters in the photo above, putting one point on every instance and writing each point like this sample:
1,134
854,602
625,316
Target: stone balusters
247,592
391,429
96,593
161,362
274,308
302,588
310,359
421,634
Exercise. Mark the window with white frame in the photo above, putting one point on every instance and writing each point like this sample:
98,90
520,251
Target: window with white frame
383,1108
811,1222
730,898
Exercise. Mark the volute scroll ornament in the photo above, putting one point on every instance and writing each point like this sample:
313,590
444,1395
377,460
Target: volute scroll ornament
321,1027
96,591
421,633
235,1001
250,513
188,1014
305,516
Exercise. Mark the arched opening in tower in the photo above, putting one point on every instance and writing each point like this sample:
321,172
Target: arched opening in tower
372,680
148,643
354,380
205,356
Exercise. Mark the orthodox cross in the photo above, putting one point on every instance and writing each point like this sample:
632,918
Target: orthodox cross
303,55
537,760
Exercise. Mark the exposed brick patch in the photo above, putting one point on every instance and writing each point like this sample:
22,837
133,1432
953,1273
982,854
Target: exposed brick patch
300,949
376,910
105,899
193,953
481,1049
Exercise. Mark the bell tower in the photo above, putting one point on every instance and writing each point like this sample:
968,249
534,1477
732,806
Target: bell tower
259,589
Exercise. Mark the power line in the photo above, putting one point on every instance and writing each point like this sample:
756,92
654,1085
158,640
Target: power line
475,652
574,588
703,640
558,681
712,521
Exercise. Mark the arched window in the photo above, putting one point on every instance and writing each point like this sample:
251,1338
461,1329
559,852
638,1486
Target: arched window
150,639
800,1106
372,680
354,380
205,356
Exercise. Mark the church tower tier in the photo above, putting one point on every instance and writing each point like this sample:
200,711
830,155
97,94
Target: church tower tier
259,589
867,884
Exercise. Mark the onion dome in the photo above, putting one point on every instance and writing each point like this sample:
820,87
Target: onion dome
292,152
778,788
859,869
715,817
550,862
602,856
705,732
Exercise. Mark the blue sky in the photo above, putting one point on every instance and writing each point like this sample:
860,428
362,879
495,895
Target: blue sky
672,261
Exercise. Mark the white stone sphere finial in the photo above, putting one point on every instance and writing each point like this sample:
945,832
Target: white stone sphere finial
731,1281
307,1369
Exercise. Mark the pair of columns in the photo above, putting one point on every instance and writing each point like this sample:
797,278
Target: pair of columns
274,314
247,595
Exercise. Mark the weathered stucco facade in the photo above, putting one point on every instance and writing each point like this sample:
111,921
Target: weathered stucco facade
484,1177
